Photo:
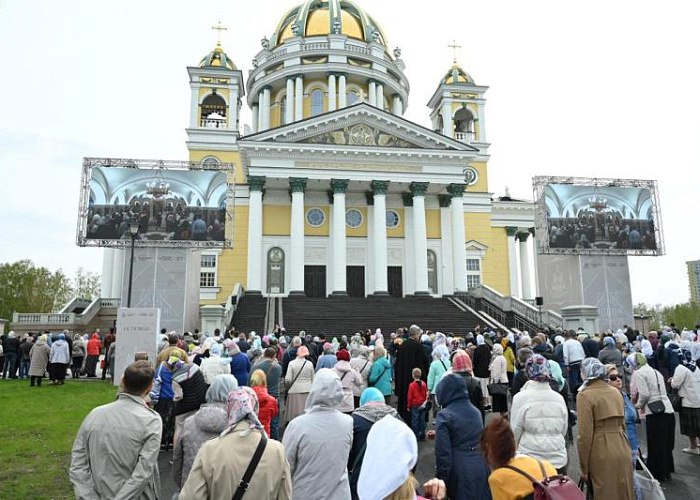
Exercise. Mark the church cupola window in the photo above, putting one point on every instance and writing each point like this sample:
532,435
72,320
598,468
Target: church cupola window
283,110
213,111
353,97
316,102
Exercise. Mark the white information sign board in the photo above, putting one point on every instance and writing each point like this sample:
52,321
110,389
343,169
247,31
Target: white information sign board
137,332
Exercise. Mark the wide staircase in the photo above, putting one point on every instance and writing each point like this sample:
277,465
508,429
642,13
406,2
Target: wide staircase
345,316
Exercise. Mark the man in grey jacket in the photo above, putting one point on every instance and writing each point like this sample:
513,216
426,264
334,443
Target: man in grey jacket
115,454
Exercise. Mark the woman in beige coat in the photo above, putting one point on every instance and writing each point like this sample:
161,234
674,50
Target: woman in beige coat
221,463
603,449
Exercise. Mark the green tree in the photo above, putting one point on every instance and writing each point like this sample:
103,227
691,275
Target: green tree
652,314
682,315
86,284
26,288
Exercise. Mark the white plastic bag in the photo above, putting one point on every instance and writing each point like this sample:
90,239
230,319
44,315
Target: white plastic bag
649,487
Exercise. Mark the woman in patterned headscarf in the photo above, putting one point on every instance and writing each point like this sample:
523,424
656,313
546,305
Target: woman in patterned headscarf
603,448
221,462
539,416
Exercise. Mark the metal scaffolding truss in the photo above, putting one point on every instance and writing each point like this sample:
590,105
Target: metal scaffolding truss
539,184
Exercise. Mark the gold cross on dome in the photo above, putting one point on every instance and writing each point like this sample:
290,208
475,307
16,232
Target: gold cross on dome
454,48
219,27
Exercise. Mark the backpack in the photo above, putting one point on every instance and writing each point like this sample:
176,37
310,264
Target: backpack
556,487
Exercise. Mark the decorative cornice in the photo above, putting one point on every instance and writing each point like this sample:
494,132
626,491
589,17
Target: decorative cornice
379,187
418,188
339,185
256,182
297,184
456,190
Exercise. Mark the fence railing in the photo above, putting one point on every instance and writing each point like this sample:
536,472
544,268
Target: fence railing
525,314
65,319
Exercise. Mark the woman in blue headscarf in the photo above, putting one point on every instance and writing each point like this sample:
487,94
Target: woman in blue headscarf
371,410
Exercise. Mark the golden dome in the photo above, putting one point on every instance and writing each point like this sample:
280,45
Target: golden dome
323,17
457,75
217,58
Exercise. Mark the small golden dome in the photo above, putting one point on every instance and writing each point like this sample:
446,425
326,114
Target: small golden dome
217,58
457,75
323,17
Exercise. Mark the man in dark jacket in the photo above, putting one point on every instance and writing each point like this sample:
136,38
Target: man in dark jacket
411,355
11,349
591,347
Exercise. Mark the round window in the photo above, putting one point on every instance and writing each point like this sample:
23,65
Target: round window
353,218
470,176
392,219
315,217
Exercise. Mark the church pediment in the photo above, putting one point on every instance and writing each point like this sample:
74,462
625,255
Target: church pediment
360,126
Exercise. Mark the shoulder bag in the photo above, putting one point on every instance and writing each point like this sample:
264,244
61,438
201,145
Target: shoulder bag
556,487
248,475
657,407
676,400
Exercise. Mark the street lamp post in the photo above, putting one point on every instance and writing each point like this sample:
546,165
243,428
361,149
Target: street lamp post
133,231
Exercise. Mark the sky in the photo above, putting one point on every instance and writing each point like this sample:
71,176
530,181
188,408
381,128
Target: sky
596,88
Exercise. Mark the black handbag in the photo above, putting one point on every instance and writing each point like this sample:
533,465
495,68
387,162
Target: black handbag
657,407
676,400
498,389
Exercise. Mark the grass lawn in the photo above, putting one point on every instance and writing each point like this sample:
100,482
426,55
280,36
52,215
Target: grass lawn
37,429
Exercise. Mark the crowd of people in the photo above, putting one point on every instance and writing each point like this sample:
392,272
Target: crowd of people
600,230
343,417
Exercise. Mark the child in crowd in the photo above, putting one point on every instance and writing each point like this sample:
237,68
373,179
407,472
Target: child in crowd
267,404
418,403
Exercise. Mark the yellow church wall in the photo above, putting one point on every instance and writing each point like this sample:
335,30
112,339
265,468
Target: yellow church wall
482,184
397,232
495,271
324,230
277,220
432,223
232,267
361,230
226,157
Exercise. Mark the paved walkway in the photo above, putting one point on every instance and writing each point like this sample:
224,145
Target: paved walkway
685,483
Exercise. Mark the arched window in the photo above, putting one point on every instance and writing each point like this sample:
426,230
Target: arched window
353,98
283,110
432,273
316,102
275,270
464,125
213,111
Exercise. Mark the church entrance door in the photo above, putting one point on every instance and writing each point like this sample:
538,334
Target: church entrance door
395,281
315,281
356,281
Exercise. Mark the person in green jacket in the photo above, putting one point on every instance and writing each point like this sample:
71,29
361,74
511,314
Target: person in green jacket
380,376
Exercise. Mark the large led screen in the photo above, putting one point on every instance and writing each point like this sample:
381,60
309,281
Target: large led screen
172,203
597,216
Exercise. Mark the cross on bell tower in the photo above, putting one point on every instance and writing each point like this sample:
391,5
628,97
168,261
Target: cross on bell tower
454,48
219,28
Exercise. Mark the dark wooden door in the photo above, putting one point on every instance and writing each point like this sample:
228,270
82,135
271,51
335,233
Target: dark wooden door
395,281
315,281
356,281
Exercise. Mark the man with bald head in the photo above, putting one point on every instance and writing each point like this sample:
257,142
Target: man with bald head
410,355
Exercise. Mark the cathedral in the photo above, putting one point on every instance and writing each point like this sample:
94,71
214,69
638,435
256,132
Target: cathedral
335,193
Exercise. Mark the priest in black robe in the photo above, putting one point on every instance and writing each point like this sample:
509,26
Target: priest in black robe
411,355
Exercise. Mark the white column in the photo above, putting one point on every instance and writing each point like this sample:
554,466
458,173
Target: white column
420,243
297,236
118,275
299,99
381,280
513,262
194,107
459,251
481,137
233,110
289,110
380,96
525,265
342,93
372,93
265,107
331,93
447,126
107,268
255,234
255,112
396,107
339,187
261,110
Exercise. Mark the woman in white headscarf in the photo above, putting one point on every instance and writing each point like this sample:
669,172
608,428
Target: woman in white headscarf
221,462
603,448
215,365
480,362
498,370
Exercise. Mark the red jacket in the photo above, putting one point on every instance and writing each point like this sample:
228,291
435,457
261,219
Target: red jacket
417,393
268,407
94,345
